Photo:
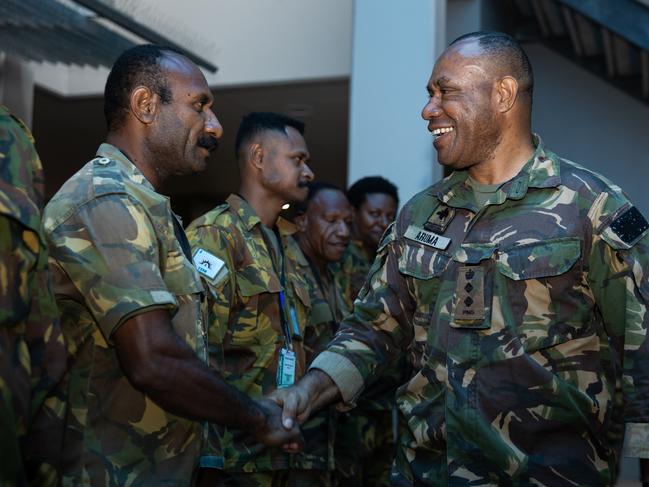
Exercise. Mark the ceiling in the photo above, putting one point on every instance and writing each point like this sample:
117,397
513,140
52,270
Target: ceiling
69,130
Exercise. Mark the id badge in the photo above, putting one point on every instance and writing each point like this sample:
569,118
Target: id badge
286,368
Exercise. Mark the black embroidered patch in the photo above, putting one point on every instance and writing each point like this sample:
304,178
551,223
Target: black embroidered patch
629,225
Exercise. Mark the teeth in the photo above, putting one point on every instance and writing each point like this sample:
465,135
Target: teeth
443,130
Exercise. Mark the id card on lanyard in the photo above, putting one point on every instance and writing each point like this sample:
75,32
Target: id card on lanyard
287,359
286,368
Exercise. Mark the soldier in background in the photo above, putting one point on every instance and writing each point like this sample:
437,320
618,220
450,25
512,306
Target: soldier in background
375,201
365,436
514,284
137,384
32,354
258,302
324,221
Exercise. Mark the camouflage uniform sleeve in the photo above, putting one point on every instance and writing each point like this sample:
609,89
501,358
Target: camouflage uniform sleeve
219,287
379,328
18,256
618,276
109,251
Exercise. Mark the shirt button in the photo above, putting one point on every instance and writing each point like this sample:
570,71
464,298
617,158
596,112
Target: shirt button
103,161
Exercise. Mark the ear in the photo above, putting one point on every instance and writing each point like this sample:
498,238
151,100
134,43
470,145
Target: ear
506,93
144,104
300,223
256,155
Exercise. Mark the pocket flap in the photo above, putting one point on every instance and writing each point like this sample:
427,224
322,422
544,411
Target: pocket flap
302,294
421,262
545,258
253,280
473,253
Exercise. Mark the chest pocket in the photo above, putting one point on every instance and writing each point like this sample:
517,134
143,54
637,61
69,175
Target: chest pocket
422,264
258,309
542,295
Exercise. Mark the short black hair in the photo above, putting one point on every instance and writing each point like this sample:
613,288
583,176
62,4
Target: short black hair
257,122
357,192
314,188
137,66
508,53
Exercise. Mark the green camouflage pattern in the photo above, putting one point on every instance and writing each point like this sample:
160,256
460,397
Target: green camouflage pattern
364,448
365,442
244,325
114,254
32,353
525,395
327,310
351,271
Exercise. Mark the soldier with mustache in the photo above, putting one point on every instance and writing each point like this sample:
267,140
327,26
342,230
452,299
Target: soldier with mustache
137,384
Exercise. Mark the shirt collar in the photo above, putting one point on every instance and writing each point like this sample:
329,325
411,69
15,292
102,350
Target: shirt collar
541,171
248,216
130,169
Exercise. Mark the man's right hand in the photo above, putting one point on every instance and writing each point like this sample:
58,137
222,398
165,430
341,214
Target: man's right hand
313,391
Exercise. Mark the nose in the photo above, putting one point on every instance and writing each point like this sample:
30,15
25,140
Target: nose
431,109
212,125
307,173
342,230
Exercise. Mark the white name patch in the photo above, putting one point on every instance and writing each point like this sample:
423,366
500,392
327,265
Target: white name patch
207,264
427,238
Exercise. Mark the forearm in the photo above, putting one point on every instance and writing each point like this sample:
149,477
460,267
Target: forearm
161,365
321,389
187,387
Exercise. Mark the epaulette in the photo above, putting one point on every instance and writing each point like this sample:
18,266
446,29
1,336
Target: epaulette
215,212
388,236
106,176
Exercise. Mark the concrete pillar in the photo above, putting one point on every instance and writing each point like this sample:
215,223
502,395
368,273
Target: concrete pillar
17,87
394,47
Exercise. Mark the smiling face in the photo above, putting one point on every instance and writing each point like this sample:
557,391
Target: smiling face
373,216
324,227
285,165
460,111
185,130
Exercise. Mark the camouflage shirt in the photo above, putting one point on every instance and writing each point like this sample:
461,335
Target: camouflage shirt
115,253
244,320
351,271
327,310
513,315
32,354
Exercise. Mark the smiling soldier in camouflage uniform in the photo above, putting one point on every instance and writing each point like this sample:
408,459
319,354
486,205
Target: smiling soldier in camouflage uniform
323,221
257,300
32,354
514,284
131,301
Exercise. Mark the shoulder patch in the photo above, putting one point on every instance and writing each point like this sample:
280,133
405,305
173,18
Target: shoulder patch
629,226
209,265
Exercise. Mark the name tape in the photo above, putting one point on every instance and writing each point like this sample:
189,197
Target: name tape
427,238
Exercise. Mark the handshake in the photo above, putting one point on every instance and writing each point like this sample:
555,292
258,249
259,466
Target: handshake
286,409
